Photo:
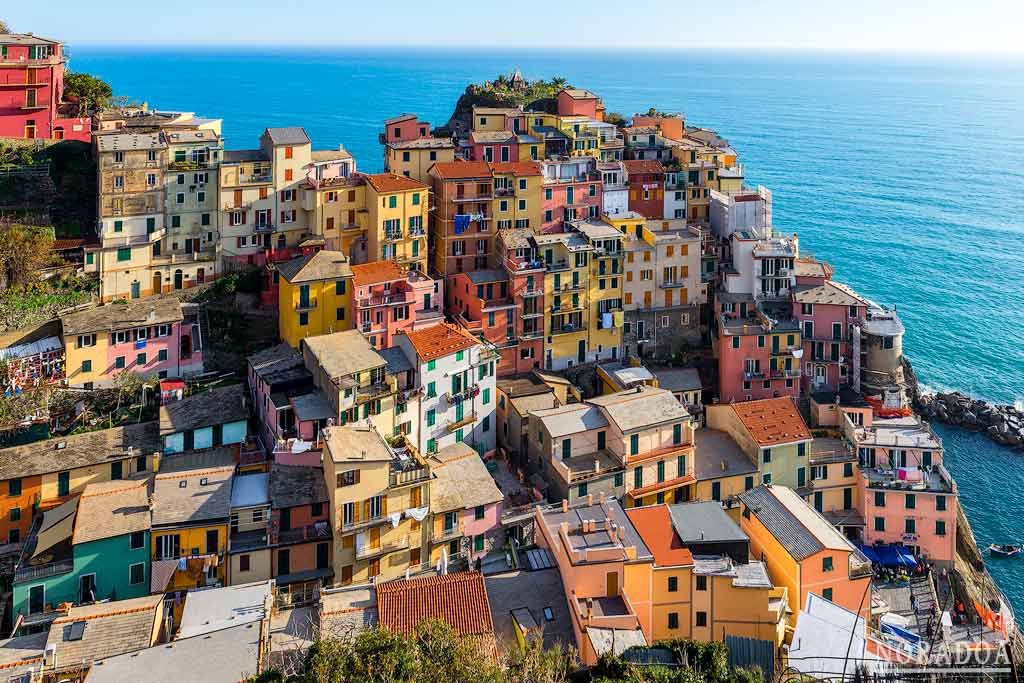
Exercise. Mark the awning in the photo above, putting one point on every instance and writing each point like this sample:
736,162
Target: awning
160,575
870,554
58,525
889,555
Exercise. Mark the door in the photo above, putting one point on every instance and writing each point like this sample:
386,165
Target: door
286,519
426,301
157,283
212,541
87,588
178,279
284,561
136,290
581,354
612,584
820,374
36,599
201,276
775,343
116,470
322,555
847,499
63,484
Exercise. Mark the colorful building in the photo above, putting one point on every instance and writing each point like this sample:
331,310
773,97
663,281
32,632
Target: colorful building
209,419
368,482
413,158
190,527
32,104
397,212
300,531
465,505
249,552
389,298
152,338
573,189
721,469
39,475
517,254
334,199
772,433
462,223
456,374
91,548
803,552
646,179
315,296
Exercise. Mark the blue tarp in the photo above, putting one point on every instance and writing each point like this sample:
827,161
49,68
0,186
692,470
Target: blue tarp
901,633
870,554
889,555
906,556
461,223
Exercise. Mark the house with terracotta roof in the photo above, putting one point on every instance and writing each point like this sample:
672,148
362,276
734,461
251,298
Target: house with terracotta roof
458,599
455,375
410,149
315,296
772,433
397,210
646,180
703,585
463,220
389,298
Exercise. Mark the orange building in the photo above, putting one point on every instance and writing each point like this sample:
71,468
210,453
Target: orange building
803,552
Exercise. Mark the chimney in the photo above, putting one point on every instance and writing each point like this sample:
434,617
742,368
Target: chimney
622,534
601,497
590,608
50,656
565,505
590,499
724,468
597,465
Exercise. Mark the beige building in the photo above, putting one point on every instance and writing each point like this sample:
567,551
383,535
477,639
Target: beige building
413,158
379,504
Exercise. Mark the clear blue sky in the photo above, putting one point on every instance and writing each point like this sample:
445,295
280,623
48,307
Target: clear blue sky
955,26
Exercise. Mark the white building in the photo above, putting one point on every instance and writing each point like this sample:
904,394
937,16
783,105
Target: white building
615,192
675,195
455,375
746,210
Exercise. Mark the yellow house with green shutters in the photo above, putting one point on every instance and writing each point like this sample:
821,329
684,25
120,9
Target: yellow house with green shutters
314,296
398,209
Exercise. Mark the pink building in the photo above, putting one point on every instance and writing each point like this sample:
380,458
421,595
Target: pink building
389,299
906,495
403,128
518,255
572,189
32,89
827,312
755,346
580,102
289,411
466,502
299,530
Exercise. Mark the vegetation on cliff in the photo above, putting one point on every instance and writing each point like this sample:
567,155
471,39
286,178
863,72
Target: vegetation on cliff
506,91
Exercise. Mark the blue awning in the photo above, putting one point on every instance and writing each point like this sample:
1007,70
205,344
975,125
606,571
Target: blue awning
889,555
870,553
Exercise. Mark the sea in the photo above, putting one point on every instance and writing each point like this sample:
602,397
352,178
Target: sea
904,172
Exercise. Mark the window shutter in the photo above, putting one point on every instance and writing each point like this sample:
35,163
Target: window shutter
366,508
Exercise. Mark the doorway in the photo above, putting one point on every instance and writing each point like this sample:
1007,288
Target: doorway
178,279
87,588
158,283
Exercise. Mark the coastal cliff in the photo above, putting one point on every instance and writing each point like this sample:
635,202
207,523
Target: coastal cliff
504,91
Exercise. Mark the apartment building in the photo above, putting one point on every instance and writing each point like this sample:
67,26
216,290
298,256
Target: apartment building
379,500
300,523
32,78
334,199
315,296
465,505
803,552
646,180
397,210
413,158
156,337
573,189
456,374
462,223
388,298
772,433
516,253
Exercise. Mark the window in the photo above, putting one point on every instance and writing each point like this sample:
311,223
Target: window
15,514
485,396
910,526
124,254
673,584
848,469
86,366
140,359
14,487
673,620
702,618
940,527
348,478
826,564
459,355
766,455
137,573
161,355
137,540
581,490
303,319
910,501
478,543
431,389
879,523
634,444
478,512
618,479
702,583
638,477
879,499
827,594
801,449
940,503
431,365
661,471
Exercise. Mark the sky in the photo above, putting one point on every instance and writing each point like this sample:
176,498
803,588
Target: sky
916,26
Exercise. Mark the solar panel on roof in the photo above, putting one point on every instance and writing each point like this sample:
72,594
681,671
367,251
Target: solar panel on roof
77,630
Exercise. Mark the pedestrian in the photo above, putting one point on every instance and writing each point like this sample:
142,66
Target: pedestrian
913,602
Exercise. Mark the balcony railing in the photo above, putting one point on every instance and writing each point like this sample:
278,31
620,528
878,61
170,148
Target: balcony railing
385,300
447,534
255,178
409,476
467,419
364,522
311,532
367,551
34,573
306,305
569,329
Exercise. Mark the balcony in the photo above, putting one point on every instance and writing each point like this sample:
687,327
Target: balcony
406,477
673,284
569,329
784,374
42,571
367,552
468,418
366,392
190,165
240,206
264,228
556,266
392,235
364,523
208,254
425,314
255,178
417,232
570,287
528,335
530,292
753,374
447,534
308,305
384,300
526,315
313,532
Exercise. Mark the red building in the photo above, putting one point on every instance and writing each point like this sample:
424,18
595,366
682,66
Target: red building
580,102
31,91
388,299
300,530
646,180
404,128
462,223
518,255
755,344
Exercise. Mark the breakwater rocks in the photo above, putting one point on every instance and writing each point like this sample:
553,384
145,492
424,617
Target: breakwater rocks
1003,424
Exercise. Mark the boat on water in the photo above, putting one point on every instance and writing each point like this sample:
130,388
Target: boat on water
1005,550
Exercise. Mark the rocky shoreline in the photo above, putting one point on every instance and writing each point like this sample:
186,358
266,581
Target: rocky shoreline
1004,424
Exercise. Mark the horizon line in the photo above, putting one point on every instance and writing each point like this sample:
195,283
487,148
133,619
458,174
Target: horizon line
805,49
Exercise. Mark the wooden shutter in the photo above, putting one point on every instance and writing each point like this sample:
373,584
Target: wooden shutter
238,197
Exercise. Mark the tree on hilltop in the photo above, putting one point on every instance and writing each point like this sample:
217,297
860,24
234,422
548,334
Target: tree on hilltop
90,92
4,27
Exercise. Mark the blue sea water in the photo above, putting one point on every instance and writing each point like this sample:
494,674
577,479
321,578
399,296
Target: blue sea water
907,174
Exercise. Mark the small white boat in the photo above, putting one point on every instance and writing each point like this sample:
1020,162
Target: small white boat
1005,550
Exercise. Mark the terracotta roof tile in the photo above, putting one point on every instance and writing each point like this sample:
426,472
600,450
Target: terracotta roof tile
391,182
441,340
654,525
375,272
458,599
772,421
517,168
457,170
643,166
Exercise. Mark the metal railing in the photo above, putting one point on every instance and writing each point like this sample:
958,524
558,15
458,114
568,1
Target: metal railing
34,573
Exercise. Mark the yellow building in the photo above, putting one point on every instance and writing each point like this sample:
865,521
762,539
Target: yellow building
397,211
334,200
191,517
607,276
832,485
413,158
517,195
721,469
495,118
368,482
566,286
314,296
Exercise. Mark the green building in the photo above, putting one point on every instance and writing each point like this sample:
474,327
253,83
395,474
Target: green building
93,547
